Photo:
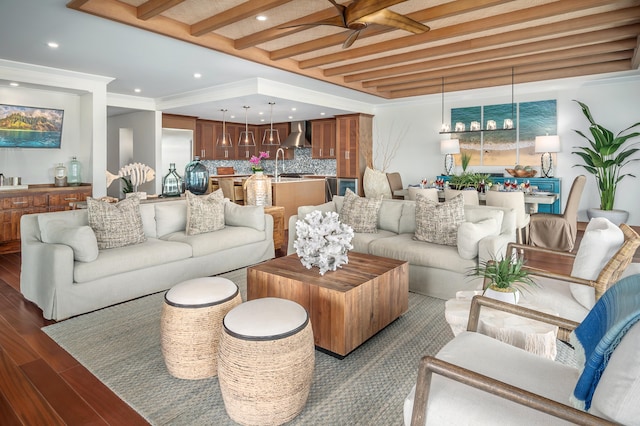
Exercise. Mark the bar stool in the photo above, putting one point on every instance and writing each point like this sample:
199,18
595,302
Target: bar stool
266,361
191,324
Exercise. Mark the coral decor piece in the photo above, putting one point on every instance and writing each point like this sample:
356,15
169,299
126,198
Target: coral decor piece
323,241
256,165
137,174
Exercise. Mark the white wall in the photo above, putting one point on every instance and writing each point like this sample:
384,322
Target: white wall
36,166
613,103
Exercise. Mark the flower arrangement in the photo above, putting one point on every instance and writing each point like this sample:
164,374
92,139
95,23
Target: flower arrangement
323,241
256,165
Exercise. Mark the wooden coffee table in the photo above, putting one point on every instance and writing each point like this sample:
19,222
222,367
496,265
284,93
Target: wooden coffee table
346,306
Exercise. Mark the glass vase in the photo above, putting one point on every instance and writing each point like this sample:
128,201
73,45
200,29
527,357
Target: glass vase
196,177
172,183
75,170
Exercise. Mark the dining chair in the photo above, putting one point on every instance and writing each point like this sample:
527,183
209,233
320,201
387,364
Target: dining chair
395,183
230,190
514,200
470,197
558,231
475,379
429,193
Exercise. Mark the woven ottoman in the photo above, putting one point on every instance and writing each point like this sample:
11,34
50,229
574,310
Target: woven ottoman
266,361
191,324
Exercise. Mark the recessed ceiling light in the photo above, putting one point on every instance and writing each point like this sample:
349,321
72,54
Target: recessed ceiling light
137,90
197,75
232,116
14,84
260,113
261,18
291,117
322,113
262,120
293,109
53,45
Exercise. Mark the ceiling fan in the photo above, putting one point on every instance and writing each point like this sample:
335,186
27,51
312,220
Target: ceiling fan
360,13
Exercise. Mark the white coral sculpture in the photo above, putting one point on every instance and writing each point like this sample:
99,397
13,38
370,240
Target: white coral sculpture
323,241
137,173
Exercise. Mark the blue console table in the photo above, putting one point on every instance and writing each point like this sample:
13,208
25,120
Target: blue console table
543,184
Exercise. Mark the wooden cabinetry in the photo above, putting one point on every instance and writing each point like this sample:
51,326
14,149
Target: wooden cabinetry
205,140
283,132
323,138
35,199
353,146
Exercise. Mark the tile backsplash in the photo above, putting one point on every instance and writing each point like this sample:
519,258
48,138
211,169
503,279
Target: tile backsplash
301,163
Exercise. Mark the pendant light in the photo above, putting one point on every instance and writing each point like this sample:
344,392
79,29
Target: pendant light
224,139
271,136
246,137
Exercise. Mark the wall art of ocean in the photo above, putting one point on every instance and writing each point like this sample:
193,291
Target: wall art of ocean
29,139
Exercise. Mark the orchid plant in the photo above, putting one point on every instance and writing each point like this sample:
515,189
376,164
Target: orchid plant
323,241
256,165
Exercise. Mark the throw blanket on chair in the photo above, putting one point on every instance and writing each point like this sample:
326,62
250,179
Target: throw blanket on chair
598,335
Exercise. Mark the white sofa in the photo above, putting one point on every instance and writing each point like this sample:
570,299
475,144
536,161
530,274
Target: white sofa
63,286
434,270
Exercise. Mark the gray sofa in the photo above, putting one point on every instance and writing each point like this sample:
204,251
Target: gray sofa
434,270
62,286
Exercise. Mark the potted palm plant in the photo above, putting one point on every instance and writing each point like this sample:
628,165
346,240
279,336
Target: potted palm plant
605,158
503,278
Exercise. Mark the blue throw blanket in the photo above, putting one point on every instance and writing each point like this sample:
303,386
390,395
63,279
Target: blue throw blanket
599,334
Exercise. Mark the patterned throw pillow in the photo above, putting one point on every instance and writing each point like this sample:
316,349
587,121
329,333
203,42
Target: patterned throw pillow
116,225
360,213
438,222
204,213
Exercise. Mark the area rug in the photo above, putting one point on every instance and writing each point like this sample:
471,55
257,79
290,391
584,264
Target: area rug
120,345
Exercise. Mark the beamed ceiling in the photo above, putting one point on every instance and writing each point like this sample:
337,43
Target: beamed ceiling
471,44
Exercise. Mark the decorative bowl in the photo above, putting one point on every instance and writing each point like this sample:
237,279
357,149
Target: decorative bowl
522,173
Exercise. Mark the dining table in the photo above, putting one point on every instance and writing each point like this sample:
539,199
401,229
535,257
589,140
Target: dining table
531,199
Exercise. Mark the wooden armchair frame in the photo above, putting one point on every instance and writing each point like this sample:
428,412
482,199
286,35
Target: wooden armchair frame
430,365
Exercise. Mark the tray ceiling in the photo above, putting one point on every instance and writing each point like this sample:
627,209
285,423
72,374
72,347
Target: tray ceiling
471,44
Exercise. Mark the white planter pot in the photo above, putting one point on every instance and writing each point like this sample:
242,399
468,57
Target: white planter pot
511,296
615,216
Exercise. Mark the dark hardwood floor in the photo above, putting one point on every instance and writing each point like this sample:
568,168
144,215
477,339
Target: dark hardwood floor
41,384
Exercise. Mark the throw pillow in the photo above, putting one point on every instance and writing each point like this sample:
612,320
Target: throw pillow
470,234
116,225
81,239
237,215
438,222
601,240
359,213
303,211
204,213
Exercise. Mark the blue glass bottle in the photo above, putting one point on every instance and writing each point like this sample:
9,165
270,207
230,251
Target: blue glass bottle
196,177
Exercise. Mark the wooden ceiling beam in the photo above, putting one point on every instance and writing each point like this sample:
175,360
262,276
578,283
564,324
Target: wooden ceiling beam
574,41
441,11
505,80
233,15
635,61
76,4
492,23
152,8
465,51
472,72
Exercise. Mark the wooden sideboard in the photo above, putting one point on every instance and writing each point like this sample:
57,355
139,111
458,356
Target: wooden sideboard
35,199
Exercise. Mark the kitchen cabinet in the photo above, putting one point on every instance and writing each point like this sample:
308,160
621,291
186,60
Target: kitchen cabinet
36,199
283,132
295,193
244,152
354,145
205,140
323,138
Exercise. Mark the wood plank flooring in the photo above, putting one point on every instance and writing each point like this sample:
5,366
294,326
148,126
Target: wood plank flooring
41,384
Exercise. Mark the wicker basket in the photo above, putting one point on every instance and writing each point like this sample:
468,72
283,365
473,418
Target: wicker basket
266,382
521,173
190,337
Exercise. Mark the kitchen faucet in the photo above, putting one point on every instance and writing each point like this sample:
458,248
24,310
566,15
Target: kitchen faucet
276,172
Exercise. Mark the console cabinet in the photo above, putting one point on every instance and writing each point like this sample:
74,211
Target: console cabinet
35,199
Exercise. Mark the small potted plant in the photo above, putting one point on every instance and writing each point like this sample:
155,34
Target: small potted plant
503,278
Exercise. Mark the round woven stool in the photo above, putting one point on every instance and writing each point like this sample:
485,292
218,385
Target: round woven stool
191,324
265,361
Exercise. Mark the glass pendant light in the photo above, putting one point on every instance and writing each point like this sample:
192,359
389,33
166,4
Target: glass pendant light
246,136
224,139
271,136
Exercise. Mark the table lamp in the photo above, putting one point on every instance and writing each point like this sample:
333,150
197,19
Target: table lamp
448,148
546,145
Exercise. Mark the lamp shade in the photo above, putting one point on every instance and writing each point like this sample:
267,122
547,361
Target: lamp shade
548,143
450,146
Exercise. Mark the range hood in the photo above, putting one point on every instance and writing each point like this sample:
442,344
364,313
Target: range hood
296,138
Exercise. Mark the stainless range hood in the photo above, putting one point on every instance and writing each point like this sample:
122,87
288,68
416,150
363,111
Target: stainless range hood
296,138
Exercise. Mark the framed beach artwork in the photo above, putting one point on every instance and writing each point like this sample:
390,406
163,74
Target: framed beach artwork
512,131
30,127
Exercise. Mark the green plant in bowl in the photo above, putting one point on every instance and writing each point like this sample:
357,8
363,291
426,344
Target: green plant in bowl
506,276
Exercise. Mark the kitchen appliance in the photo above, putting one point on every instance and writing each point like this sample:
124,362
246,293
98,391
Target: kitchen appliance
338,186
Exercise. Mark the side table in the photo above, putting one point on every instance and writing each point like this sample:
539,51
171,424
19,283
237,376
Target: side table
277,212
531,335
